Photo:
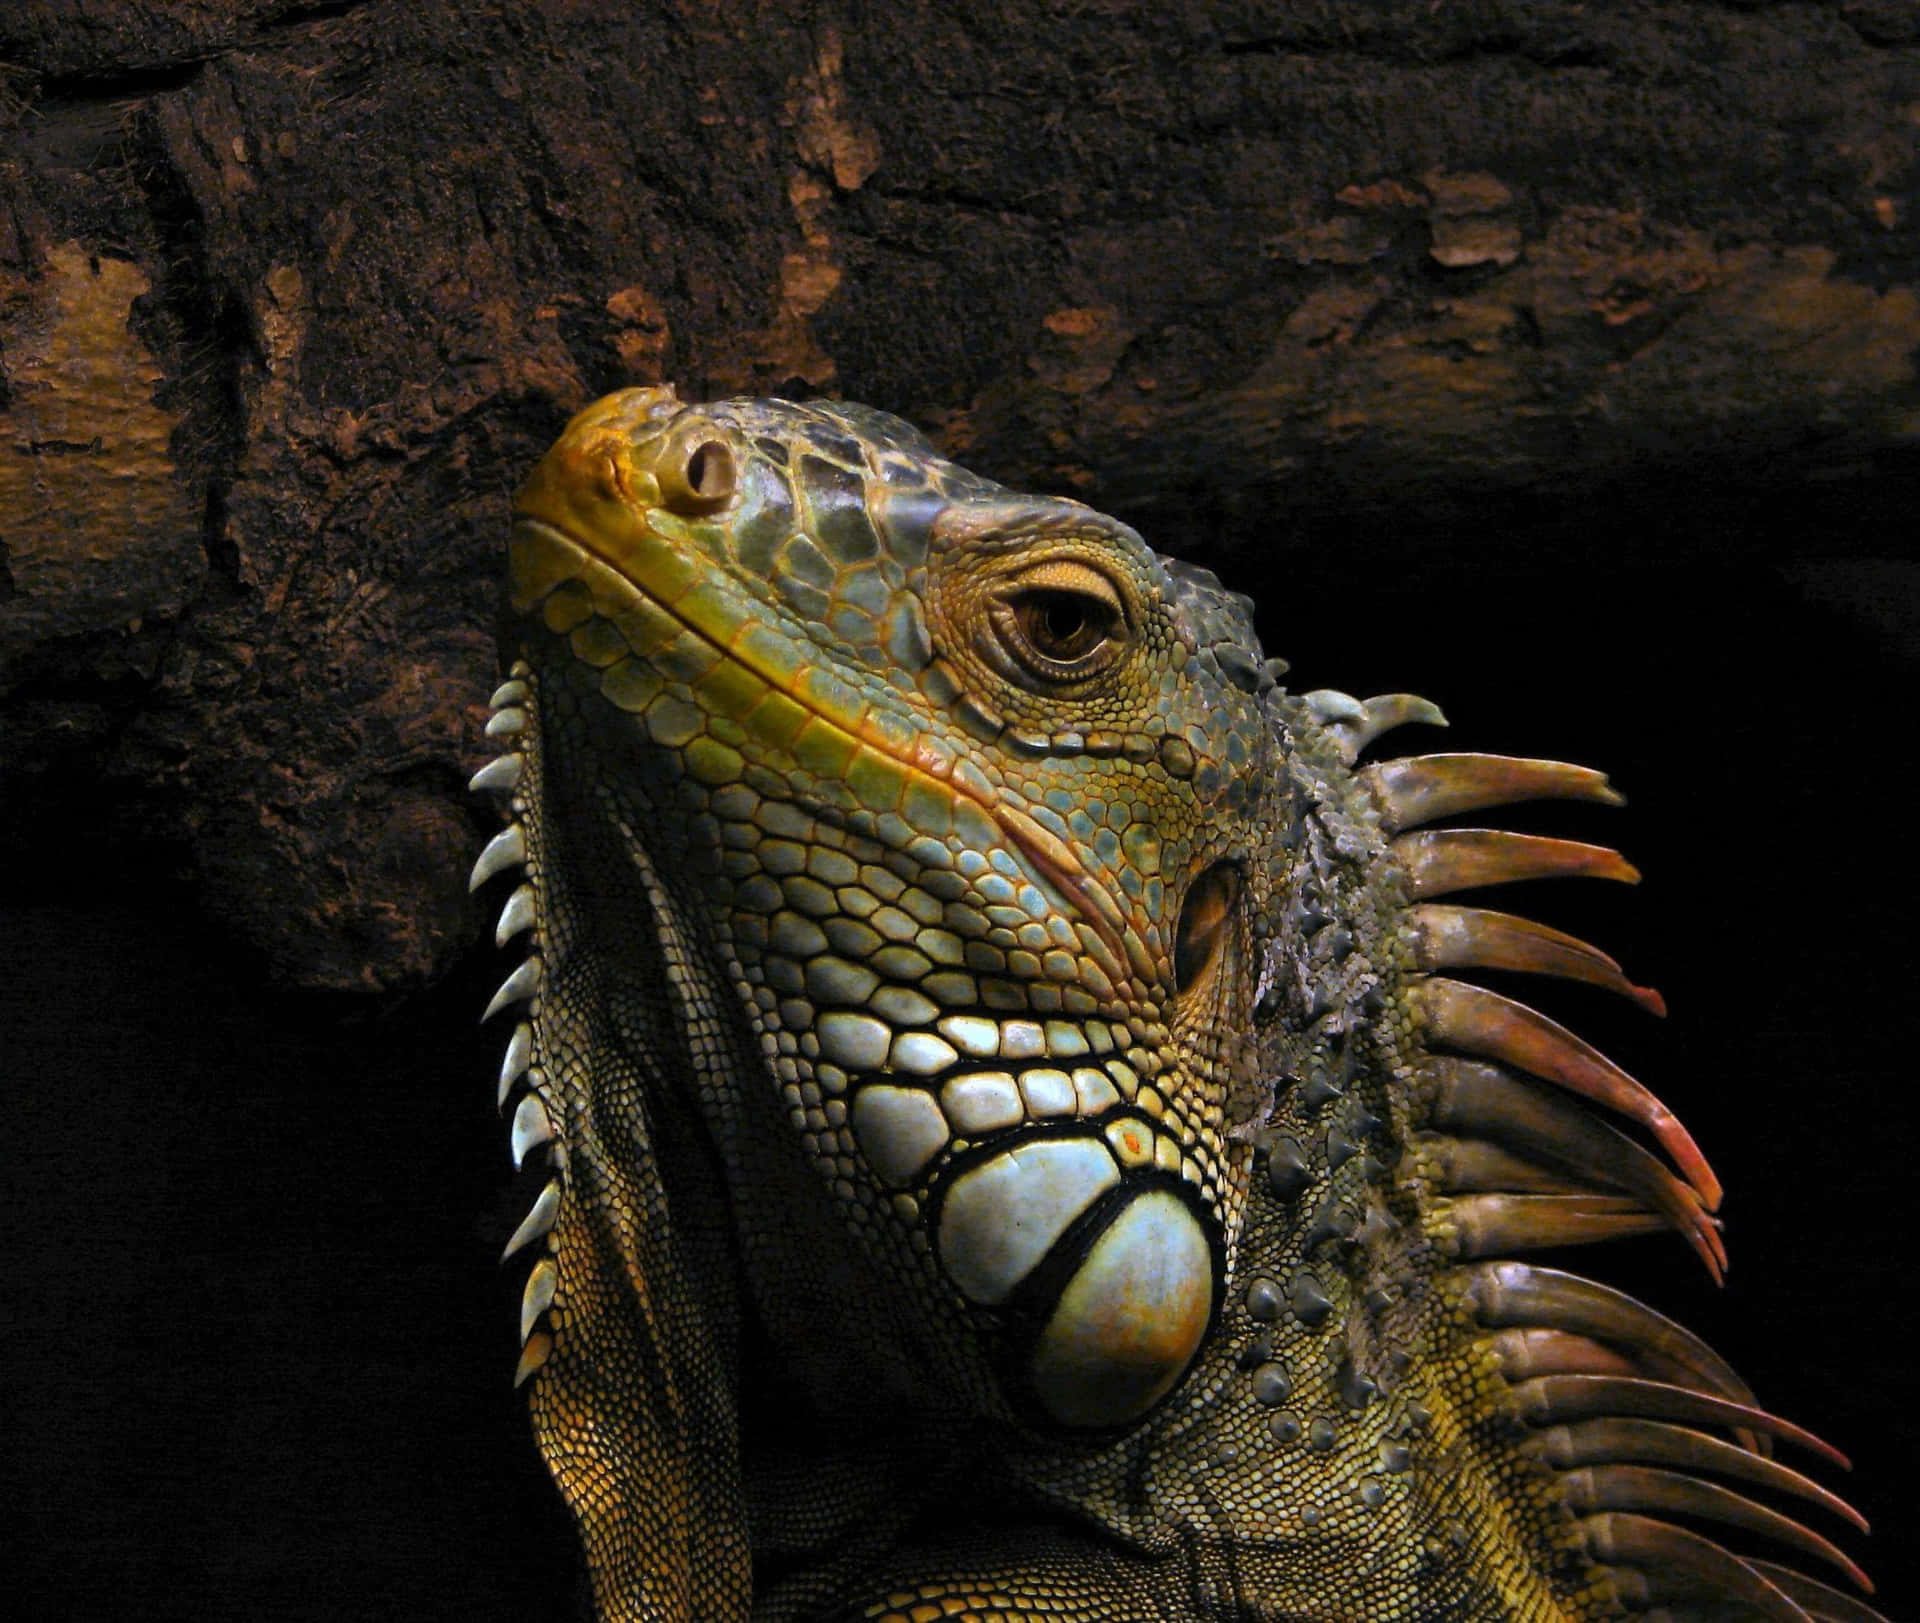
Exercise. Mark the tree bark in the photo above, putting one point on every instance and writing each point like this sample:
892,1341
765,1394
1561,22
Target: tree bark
291,294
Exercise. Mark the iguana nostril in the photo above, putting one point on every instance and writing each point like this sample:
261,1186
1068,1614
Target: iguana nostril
697,477
710,471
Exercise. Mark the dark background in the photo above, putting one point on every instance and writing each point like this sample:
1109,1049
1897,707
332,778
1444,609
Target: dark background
260,1352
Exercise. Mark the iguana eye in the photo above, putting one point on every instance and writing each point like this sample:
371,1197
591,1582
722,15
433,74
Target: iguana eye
1064,626
1061,622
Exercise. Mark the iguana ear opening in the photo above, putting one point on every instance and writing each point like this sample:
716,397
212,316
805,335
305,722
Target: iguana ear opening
1206,920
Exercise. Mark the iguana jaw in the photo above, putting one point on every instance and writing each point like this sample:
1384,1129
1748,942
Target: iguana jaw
645,614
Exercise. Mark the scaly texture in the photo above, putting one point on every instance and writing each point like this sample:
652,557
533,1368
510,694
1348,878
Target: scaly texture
1018,1145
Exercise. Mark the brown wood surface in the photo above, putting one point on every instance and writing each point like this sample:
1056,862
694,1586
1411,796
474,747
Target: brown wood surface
291,294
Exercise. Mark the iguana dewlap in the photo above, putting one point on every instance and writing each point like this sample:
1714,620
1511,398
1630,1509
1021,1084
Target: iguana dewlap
1021,1138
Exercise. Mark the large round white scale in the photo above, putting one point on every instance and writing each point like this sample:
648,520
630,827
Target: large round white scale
1130,1314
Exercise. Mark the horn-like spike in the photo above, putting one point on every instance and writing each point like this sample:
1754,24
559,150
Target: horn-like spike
514,1064
1524,1354
1386,711
1555,1399
506,723
1616,1441
1819,1601
1677,1561
1640,1488
1471,1096
1482,1022
1472,1166
1383,713
1331,705
1447,937
538,1223
1499,1225
1516,1294
507,849
1440,861
533,1356
512,691
542,1282
516,988
532,1127
1424,788
516,916
501,773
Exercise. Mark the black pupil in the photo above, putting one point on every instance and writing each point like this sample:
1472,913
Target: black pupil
1063,624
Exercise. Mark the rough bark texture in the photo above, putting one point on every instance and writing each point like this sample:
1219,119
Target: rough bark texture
291,294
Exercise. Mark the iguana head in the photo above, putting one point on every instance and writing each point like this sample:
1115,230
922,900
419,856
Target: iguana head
981,801
966,988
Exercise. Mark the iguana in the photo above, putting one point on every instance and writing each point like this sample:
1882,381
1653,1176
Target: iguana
1018,1140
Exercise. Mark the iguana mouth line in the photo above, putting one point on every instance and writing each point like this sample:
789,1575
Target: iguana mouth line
1050,860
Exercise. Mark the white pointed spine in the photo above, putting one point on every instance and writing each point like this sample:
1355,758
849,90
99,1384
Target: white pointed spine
538,1223
516,916
507,849
538,1296
518,987
532,1127
500,774
1381,714
532,1357
514,1065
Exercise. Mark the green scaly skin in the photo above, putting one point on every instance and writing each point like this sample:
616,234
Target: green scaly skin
978,1026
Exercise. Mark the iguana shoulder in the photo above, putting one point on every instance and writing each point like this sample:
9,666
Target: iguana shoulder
1022,1137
